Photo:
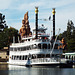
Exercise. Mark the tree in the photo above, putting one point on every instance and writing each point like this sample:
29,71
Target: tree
70,27
3,40
71,45
69,36
2,22
6,37
63,35
73,33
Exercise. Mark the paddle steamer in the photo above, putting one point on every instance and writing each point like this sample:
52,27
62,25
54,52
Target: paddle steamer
37,50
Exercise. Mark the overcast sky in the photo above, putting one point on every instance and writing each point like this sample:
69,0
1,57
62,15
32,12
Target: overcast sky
14,11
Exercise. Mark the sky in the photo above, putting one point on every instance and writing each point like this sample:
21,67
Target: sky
14,11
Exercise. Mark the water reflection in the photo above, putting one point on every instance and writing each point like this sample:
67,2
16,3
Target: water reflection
4,70
3,67
22,70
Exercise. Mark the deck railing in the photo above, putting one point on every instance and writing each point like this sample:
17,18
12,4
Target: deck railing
45,60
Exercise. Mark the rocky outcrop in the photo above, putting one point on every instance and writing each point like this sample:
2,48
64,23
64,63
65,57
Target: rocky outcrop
25,29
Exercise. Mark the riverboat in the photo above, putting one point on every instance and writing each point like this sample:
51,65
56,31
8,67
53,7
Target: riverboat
37,50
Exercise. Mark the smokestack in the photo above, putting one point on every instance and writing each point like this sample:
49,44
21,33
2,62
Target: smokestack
36,21
53,23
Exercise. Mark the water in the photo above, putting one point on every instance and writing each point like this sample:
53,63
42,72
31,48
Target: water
21,70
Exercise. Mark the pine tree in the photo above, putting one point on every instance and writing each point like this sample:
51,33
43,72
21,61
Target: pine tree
2,22
71,36
70,27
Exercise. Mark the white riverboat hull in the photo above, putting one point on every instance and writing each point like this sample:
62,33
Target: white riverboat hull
45,64
42,62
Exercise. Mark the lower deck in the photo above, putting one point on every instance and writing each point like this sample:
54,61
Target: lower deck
41,62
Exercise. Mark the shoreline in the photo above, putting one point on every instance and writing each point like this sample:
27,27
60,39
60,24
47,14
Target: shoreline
4,63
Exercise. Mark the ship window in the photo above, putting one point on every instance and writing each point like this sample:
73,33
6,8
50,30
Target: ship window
26,57
44,46
15,49
27,47
42,55
56,46
28,39
33,56
20,57
48,55
17,57
21,48
30,47
24,48
39,46
12,56
34,46
23,57
11,49
39,56
18,49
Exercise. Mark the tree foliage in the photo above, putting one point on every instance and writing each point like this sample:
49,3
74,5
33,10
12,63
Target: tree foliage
69,36
2,22
6,34
6,37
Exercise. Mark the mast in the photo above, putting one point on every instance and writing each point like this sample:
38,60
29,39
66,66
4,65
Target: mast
36,22
53,23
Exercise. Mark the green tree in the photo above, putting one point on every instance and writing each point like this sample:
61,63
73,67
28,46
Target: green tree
2,22
73,33
6,37
63,35
70,27
71,45
3,40
69,36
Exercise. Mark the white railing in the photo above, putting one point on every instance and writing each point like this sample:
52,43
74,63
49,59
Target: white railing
44,60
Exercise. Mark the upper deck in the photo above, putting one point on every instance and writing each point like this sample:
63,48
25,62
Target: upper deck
43,43
30,41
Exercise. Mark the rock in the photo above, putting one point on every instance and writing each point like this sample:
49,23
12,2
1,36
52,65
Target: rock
25,29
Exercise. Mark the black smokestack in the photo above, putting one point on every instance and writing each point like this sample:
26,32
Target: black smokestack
53,23
36,21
